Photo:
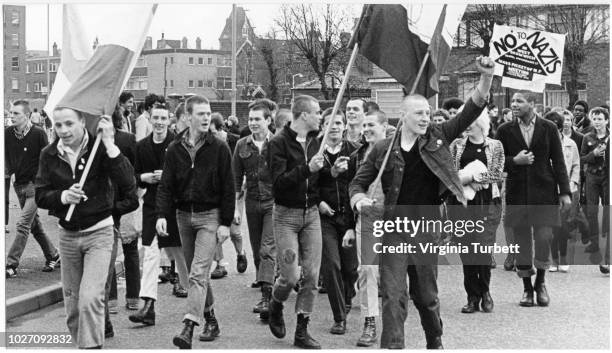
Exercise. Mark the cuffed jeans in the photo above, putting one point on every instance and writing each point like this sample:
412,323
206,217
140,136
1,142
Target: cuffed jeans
297,233
527,245
368,281
338,266
86,258
198,232
150,269
28,222
236,237
597,190
261,235
422,272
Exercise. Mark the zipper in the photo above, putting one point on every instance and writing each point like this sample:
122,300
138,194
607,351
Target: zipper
306,158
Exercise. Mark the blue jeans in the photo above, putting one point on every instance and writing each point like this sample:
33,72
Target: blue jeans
86,259
298,241
261,235
198,232
28,221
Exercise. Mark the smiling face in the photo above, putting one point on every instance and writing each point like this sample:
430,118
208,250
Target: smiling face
337,128
599,122
415,115
69,127
521,107
373,130
200,117
257,122
160,121
354,112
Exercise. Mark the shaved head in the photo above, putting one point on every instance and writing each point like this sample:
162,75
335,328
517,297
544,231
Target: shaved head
410,99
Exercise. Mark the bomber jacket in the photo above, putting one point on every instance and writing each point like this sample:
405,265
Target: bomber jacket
434,150
293,185
125,200
199,184
250,162
55,175
592,163
147,162
21,157
334,191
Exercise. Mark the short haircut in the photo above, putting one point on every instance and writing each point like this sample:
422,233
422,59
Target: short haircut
364,106
151,98
261,106
233,119
125,96
180,110
412,97
584,104
565,112
281,118
24,104
506,111
163,106
600,110
529,95
556,118
216,119
452,103
327,112
381,117
265,102
441,112
371,106
78,113
191,101
302,104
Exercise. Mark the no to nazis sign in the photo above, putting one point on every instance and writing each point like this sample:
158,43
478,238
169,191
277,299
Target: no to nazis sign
525,58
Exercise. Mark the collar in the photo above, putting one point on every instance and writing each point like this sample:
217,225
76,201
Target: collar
63,149
20,135
205,137
566,141
530,123
251,140
334,150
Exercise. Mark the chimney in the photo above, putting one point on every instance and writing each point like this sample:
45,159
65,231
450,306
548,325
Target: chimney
184,43
95,44
198,43
148,45
55,52
162,35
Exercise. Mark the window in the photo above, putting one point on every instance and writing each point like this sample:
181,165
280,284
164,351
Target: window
15,63
200,83
141,62
172,60
209,83
15,40
200,61
27,87
224,82
36,86
209,61
190,60
15,84
15,18
142,84
27,68
245,29
190,85
171,83
52,67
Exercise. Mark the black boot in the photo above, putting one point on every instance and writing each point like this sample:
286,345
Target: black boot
487,303
166,275
211,327
178,290
472,305
434,342
146,314
264,310
368,337
183,340
302,337
276,321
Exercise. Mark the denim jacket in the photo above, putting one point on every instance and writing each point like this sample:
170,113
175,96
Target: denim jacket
434,150
249,162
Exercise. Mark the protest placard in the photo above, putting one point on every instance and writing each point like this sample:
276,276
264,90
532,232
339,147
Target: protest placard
527,59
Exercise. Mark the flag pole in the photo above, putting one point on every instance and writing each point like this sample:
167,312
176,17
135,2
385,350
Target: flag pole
397,130
339,95
85,173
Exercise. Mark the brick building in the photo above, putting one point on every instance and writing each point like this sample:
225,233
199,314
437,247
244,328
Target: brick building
14,51
40,67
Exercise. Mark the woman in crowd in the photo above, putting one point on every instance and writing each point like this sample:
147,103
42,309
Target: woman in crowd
480,161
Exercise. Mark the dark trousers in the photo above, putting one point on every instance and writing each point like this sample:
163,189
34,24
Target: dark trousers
132,271
7,188
539,244
597,190
422,272
261,235
558,246
338,266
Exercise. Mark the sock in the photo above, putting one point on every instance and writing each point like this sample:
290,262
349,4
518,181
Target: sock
539,277
527,284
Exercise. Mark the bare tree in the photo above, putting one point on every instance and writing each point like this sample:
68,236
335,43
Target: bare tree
315,30
270,49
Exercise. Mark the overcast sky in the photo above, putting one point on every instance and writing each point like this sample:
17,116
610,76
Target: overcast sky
175,20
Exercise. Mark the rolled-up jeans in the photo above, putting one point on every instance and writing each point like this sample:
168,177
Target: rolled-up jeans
539,244
297,232
86,259
368,281
28,222
422,272
198,232
261,235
